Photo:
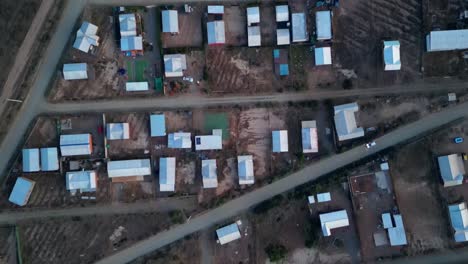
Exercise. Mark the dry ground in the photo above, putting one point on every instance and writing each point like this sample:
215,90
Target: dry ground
190,29
8,251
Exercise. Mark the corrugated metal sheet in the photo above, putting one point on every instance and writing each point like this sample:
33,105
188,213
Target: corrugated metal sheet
127,25
209,173
170,21
174,65
215,9
116,131
216,33
282,13
228,233
75,71
131,43
323,56
309,137
128,168
85,181
299,27
49,159
447,40
75,144
391,55
323,24
21,191
282,36
333,220
158,125
31,160
280,141
167,174
208,142
179,140
253,15
86,36
136,86
245,169
254,36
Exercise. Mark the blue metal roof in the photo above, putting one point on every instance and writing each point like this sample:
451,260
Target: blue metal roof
284,69
227,230
21,191
158,125
31,160
49,159
276,53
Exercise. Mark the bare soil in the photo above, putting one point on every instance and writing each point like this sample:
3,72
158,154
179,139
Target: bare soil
190,29
8,251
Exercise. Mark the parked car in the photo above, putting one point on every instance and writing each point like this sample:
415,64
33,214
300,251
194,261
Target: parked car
458,140
370,144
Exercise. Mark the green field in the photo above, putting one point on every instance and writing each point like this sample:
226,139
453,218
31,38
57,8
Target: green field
136,70
217,121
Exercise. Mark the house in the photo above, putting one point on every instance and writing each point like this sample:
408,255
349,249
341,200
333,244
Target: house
345,122
158,125
333,220
209,174
323,24
299,27
86,37
280,141
459,220
391,54
309,137
49,159
136,86
76,144
174,65
83,181
323,56
117,131
396,232
170,21
131,43
254,38
179,140
167,174
282,13
128,170
21,191
128,25
452,169
444,40
253,15
245,169
228,233
281,60
216,33
282,36
210,142
31,160
75,71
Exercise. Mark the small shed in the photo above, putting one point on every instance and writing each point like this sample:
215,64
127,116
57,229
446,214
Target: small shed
228,233
179,140
116,131
345,122
323,24
459,220
167,174
216,9
282,36
31,160
209,173
83,181
174,65
452,169
49,159
391,54
253,15
75,71
136,86
254,38
158,125
309,137
323,56
21,191
280,141
323,197
245,169
282,13
170,21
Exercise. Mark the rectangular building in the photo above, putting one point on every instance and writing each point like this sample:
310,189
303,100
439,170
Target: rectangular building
391,53
323,56
31,160
209,173
174,65
83,181
49,159
76,144
158,125
333,220
136,86
345,122
208,142
299,27
445,40
115,131
228,233
452,169
280,141
323,24
309,137
130,169
21,191
459,220
75,71
167,169
245,169
170,21
179,140
86,37
216,32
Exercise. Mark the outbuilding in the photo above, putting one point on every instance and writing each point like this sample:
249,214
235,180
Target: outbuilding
245,169
323,56
116,131
128,170
158,125
49,159
179,140
174,65
333,220
280,141
228,233
75,71
31,160
323,24
445,40
167,174
216,32
83,181
345,122
170,21
76,144
21,191
309,137
452,169
209,173
86,37
391,54
136,86
299,27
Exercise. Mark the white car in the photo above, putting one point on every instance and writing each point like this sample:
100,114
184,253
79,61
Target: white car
370,144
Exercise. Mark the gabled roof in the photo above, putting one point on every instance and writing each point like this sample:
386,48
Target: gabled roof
280,140
86,36
76,144
323,56
397,234
75,71
451,169
216,33
21,191
299,27
174,65
254,36
245,169
447,40
209,173
253,15
158,125
129,168
323,23
459,220
228,233
85,181
117,131
392,55
49,159
309,137
131,43
136,86
179,140
387,220
167,174
170,21
282,13
127,25
333,220
31,160
282,36
345,122
208,142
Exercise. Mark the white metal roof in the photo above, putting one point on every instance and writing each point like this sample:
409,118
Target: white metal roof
282,13
311,199
387,220
86,36
21,191
345,122
174,65
323,197
158,125
459,220
127,25
384,166
333,220
76,145
391,53
117,131
128,168
208,142
447,40
167,174
253,15
209,173
85,181
282,36
170,21
245,169
397,234
49,159
323,56
179,140
215,9
280,140
216,33
309,136
75,71
131,43
31,160
253,36
299,27
323,24
451,169
228,233
136,86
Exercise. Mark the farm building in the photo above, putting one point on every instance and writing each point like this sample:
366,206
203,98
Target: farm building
323,56
136,86
245,169
128,25
75,71
333,220
309,136
209,173
299,27
459,220
76,144
445,40
228,233
216,33
83,181
323,23
158,125
86,37
254,38
253,15
451,169
128,170
281,62
170,21
391,54
210,142
179,140
49,159
31,160
174,65
280,141
21,191
167,174
117,131
345,122
282,13
395,229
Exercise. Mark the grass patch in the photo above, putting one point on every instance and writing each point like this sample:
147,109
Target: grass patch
130,71
140,67
217,121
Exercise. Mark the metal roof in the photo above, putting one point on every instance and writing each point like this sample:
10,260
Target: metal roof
345,122
215,9
284,69
208,142
174,65
228,233
323,197
167,174
280,140
170,21
215,31
245,169
209,173
447,40
387,220
323,24
451,169
158,125
76,144
75,71
309,137
333,220
85,181
254,36
282,13
397,234
179,140
21,191
311,199
299,27
31,160
86,36
253,15
136,86
127,25
128,168
131,43
459,220
323,56
49,159
117,131
391,53
282,36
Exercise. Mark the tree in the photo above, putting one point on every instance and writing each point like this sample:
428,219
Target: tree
276,252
